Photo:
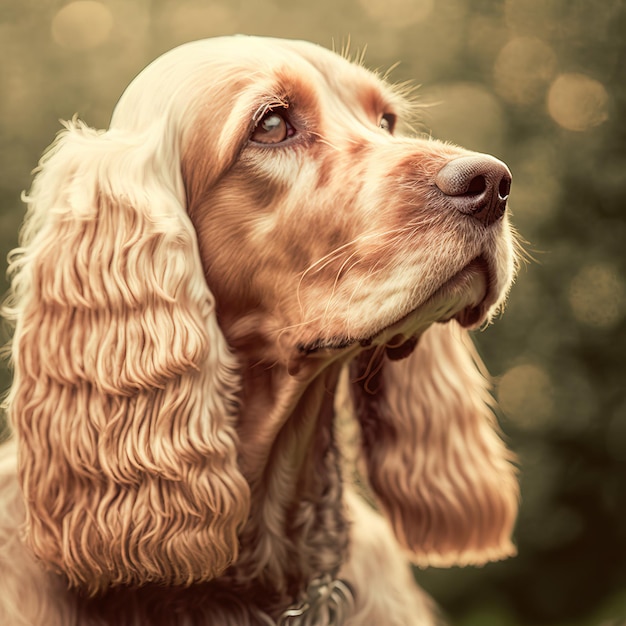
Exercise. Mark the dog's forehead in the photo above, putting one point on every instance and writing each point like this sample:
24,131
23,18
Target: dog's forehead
209,59
215,65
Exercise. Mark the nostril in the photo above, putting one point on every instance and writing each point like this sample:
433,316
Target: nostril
504,188
476,185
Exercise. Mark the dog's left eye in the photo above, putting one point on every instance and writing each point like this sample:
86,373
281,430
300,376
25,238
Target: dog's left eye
387,122
273,127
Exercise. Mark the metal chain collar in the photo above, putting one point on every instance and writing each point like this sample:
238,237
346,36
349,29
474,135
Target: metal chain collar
326,602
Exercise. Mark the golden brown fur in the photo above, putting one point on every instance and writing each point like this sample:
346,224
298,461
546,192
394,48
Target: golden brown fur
185,300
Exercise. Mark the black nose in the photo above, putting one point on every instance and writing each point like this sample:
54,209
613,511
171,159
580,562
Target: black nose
477,185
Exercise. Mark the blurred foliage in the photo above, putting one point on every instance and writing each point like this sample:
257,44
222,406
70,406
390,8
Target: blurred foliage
539,83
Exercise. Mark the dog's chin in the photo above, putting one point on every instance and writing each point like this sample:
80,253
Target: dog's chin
466,298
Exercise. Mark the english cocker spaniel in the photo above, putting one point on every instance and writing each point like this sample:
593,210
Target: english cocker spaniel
196,287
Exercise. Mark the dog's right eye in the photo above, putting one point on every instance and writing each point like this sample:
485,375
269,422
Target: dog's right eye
273,127
388,122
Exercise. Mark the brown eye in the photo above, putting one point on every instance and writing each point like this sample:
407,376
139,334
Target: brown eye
272,128
388,122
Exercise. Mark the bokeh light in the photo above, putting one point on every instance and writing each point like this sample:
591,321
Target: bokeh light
597,296
526,395
577,102
82,25
523,69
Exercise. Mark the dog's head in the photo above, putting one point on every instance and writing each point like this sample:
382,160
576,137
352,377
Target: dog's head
318,222
254,200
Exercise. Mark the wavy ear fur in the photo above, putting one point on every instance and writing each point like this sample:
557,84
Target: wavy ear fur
433,455
124,390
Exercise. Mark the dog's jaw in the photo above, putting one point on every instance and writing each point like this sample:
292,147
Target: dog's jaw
466,298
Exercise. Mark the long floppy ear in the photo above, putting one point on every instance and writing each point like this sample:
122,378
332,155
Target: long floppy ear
433,455
124,392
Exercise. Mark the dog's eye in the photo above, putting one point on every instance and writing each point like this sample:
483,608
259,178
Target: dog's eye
387,122
273,127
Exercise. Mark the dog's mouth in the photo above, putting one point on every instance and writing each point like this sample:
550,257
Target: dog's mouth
465,297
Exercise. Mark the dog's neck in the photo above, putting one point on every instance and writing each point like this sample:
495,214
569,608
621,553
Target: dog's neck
274,405
289,456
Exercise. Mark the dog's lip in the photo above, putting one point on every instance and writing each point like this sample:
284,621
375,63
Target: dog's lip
465,298
474,281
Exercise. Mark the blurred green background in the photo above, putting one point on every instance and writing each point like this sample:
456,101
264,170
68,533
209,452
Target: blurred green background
540,84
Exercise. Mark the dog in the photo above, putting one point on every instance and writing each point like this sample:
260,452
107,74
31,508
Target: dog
256,240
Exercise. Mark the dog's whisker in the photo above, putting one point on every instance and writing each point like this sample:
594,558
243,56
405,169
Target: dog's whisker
360,239
330,257
394,234
337,279
358,288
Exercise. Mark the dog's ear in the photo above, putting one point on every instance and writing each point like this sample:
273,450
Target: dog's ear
432,450
124,394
